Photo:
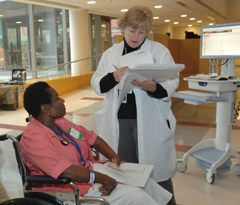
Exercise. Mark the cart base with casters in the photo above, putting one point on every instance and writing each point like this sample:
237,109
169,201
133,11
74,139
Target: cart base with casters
218,150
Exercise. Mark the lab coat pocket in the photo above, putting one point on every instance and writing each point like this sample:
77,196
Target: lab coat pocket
167,127
172,122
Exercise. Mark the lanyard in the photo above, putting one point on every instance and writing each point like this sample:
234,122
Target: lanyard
72,141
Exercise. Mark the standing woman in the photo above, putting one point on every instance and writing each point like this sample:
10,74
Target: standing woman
142,129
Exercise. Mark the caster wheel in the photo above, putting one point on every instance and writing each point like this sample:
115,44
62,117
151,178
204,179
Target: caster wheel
236,169
181,167
210,179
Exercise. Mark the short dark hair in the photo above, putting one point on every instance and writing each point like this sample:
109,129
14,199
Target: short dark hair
36,95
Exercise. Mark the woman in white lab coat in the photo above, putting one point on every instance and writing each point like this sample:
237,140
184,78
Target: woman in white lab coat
142,129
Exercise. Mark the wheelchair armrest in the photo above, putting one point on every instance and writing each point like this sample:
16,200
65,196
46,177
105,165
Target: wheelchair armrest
3,137
37,179
94,150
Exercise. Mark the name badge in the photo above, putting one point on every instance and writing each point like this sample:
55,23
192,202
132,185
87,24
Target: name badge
75,133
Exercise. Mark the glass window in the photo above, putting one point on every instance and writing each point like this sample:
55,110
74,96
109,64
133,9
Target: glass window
14,52
33,37
63,40
50,35
115,31
101,36
45,37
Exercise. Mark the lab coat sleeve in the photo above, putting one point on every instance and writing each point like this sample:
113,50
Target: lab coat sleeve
163,55
170,86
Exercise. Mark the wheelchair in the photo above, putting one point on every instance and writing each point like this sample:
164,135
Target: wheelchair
29,180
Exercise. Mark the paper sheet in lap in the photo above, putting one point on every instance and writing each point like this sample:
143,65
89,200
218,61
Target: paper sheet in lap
129,173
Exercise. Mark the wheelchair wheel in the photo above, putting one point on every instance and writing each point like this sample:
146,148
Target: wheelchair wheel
43,196
25,201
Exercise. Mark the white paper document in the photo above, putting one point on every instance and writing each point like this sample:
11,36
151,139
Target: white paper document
138,56
129,173
161,72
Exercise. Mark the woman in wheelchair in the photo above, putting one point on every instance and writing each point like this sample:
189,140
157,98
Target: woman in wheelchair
54,146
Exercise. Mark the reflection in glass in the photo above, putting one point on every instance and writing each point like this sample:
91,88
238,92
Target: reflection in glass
13,38
45,36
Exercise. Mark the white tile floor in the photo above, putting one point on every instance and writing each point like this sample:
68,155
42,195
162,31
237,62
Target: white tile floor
194,124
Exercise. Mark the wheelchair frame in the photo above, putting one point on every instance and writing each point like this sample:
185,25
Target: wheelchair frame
27,179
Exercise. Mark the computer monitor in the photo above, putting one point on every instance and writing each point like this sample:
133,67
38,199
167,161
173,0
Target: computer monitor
17,75
221,41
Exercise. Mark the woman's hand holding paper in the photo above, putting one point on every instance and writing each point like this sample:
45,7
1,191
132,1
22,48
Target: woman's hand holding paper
120,72
145,85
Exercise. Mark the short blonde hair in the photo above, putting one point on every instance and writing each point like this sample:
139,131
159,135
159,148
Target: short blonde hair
137,17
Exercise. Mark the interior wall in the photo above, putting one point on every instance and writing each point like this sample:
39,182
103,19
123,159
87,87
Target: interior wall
163,29
79,40
174,47
233,9
163,38
179,32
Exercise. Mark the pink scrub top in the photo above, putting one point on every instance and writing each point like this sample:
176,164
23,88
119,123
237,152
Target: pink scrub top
44,154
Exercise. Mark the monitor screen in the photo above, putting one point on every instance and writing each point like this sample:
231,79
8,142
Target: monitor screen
17,75
220,41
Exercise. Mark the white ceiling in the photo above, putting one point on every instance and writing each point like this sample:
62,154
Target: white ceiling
209,11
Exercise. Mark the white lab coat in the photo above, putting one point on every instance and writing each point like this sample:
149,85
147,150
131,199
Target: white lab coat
155,140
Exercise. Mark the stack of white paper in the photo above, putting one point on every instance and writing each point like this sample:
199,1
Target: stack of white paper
161,72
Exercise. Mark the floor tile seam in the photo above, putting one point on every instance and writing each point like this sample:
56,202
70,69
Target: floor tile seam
77,114
180,148
186,148
198,124
86,115
92,98
206,107
13,127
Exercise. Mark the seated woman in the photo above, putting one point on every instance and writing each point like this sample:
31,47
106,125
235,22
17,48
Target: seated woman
52,145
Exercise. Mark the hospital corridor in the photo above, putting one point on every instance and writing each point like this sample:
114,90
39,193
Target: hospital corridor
195,123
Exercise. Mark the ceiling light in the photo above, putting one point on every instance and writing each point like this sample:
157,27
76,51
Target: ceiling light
184,15
54,4
1,15
158,6
192,19
199,21
210,24
167,20
124,10
190,25
176,22
156,17
91,2
18,22
40,20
